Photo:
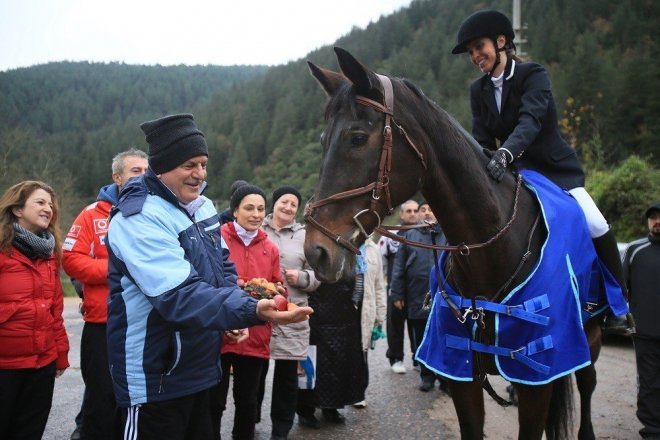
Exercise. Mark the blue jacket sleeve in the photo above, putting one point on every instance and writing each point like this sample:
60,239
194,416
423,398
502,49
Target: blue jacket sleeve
157,264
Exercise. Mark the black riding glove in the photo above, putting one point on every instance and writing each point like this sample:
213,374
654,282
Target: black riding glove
498,164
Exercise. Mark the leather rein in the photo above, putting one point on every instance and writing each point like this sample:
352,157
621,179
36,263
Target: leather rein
380,187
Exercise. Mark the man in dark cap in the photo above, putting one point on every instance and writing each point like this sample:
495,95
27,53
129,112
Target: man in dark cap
641,267
172,291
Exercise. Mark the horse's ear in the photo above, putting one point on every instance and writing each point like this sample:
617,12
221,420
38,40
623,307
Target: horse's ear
359,75
329,80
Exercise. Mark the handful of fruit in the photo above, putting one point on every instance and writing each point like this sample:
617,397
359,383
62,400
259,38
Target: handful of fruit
261,288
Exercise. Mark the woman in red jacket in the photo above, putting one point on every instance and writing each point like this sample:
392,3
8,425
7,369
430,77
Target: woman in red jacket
247,351
33,343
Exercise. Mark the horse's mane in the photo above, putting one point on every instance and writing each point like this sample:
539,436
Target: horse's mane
423,119
434,119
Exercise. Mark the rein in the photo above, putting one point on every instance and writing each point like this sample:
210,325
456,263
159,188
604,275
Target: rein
463,249
381,186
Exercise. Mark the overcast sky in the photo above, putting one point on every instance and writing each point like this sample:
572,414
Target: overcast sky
165,32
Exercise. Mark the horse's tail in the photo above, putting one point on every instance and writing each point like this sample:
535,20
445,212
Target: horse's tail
560,414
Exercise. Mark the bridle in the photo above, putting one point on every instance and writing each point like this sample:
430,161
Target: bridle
380,187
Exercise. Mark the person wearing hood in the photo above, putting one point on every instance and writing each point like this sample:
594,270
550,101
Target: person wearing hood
85,258
289,343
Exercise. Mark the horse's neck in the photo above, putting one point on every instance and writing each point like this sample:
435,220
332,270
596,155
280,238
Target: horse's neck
472,208
468,204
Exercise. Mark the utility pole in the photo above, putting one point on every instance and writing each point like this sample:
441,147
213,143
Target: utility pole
518,30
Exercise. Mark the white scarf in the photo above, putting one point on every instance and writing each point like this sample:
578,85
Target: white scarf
497,83
245,235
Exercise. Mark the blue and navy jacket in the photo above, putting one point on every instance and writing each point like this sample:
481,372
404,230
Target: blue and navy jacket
410,274
172,293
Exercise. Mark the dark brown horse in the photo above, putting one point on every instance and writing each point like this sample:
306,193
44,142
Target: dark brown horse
368,168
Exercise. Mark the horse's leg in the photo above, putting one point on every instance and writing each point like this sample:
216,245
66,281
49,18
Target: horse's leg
586,380
586,383
533,405
469,404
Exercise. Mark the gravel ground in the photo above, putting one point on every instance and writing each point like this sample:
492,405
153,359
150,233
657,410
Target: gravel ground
395,407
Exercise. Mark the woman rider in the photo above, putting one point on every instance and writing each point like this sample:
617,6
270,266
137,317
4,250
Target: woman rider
513,108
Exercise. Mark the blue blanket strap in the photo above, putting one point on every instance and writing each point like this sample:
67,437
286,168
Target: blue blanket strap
526,311
521,354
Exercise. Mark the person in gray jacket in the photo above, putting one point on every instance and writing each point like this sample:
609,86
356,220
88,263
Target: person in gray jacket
288,343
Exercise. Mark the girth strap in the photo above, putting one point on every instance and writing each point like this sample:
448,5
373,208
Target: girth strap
526,311
520,354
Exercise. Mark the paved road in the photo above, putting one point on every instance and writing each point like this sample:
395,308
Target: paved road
396,409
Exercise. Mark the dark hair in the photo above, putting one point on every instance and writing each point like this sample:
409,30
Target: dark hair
15,197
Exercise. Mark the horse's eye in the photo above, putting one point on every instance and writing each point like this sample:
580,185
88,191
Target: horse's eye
359,139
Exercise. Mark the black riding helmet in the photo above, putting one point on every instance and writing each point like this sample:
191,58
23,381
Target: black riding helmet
485,23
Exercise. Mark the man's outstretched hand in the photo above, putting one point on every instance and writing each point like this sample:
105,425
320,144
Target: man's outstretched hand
266,311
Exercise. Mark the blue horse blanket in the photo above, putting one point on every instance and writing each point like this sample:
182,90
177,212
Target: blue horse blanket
539,334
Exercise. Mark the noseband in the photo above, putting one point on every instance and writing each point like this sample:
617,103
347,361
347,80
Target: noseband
378,188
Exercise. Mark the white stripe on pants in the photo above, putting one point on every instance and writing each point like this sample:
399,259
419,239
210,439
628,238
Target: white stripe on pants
131,428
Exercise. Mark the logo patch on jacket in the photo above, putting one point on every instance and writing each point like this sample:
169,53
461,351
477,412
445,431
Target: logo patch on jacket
68,244
74,231
100,226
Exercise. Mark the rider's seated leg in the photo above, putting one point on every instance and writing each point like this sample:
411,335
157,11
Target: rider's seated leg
608,252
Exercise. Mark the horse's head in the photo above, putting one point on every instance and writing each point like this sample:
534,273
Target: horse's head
366,170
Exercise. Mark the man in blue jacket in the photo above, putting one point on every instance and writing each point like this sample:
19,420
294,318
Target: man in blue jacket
172,291
410,282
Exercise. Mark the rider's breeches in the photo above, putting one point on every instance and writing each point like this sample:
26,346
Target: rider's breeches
595,221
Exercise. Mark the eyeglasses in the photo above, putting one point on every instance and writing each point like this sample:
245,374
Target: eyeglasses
408,211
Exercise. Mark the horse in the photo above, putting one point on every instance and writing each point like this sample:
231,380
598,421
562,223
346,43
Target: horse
384,141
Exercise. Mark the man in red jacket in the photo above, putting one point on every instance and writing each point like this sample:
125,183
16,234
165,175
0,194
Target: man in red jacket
85,258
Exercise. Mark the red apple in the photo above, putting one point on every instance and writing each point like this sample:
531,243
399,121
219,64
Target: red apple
280,303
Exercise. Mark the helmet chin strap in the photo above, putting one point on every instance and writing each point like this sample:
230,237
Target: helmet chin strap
497,56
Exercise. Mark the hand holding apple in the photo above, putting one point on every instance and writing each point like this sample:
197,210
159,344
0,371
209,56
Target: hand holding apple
267,311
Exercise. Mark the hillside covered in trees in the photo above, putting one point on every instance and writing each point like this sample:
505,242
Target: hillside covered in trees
63,122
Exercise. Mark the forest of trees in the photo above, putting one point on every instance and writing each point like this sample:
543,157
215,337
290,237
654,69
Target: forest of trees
63,122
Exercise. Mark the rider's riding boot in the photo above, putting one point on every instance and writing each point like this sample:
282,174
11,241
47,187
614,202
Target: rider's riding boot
608,252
